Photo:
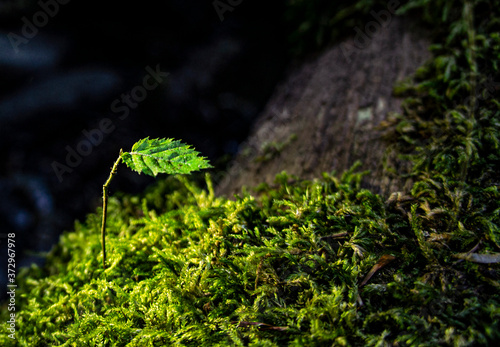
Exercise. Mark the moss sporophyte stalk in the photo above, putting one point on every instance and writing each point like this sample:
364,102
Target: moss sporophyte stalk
152,157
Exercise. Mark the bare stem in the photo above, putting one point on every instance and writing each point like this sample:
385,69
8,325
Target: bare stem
105,207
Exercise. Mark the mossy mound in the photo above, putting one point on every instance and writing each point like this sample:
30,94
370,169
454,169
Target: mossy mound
283,268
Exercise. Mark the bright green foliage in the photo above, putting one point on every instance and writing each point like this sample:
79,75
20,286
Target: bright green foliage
152,157
283,268
163,156
451,128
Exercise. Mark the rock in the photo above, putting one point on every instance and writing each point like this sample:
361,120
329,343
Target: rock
324,115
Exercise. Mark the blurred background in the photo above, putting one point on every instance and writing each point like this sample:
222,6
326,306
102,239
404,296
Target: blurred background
65,66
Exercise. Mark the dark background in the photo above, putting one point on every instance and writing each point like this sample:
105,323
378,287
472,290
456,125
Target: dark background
64,80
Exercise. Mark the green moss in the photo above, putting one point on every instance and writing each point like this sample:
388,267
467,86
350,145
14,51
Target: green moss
190,268
450,128
270,150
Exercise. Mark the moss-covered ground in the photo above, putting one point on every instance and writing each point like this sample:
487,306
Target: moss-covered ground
306,263
284,268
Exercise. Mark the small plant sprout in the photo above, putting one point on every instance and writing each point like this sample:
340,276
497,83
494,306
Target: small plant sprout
152,157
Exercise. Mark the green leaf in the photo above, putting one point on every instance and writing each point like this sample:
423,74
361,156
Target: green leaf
163,156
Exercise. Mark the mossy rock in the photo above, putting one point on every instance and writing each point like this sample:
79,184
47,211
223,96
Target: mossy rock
284,267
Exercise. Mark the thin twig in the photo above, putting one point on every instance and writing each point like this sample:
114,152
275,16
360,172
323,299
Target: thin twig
105,208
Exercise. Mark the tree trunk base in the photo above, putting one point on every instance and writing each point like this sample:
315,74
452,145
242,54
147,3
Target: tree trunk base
324,117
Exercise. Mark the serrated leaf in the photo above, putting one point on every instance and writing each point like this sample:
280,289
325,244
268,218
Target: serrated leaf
163,156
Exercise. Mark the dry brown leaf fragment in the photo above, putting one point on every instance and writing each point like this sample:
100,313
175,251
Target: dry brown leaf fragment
491,258
340,235
383,261
262,326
